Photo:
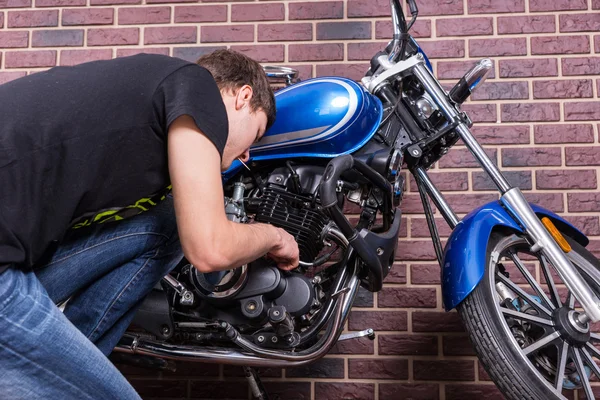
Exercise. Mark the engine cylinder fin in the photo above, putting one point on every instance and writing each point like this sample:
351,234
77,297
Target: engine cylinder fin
295,214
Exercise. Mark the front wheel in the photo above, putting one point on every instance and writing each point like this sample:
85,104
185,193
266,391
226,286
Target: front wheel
522,321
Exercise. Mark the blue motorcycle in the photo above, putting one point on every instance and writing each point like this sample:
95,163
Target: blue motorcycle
519,275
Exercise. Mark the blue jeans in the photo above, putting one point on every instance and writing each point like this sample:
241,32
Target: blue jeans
104,271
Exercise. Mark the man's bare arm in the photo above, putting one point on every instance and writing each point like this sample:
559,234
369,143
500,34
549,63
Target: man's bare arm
210,241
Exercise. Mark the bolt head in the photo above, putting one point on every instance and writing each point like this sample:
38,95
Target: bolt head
274,339
260,339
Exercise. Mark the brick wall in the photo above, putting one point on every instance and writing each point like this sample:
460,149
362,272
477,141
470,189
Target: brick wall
538,118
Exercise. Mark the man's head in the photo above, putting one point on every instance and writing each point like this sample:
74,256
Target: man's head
248,98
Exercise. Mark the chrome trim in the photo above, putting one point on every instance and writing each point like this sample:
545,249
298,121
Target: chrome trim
395,51
477,75
438,94
373,83
520,209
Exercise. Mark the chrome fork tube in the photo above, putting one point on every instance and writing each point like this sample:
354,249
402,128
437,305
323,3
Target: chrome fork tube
514,201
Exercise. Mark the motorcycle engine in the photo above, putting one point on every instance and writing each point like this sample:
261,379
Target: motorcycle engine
244,296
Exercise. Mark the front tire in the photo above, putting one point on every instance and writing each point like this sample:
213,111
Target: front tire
523,324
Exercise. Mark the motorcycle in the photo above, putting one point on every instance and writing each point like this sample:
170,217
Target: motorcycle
336,142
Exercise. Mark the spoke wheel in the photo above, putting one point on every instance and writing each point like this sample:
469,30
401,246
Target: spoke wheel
523,322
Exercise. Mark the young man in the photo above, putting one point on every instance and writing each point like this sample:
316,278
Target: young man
88,155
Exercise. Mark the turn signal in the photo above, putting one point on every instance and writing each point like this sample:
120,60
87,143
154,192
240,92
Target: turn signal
560,239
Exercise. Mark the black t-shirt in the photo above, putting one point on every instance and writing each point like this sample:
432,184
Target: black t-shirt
78,144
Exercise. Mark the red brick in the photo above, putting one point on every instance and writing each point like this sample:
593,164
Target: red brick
319,10
481,112
503,134
581,66
435,7
557,5
323,368
113,2
424,274
181,1
364,298
15,3
445,181
415,250
354,346
579,22
524,112
231,33
186,369
284,32
171,34
343,30
30,59
10,76
473,392
364,51
368,8
378,320
443,370
350,71
597,44
560,44
257,12
407,297
457,346
14,39
566,179
465,203
457,69
398,272
462,158
526,24
263,53
583,202
419,228
57,37
561,89
144,15
113,37
408,391
588,225
550,201
206,13
147,50
1,19
501,91
408,345
92,16
411,204
390,368
288,390
491,6
497,47
443,48
316,52
582,111
595,4
520,179
436,321
530,157
73,57
59,3
31,19
525,68
585,156
344,391
421,29
464,26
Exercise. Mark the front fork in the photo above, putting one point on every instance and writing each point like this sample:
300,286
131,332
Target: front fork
513,200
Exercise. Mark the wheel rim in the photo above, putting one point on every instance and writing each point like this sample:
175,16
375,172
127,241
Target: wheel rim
541,319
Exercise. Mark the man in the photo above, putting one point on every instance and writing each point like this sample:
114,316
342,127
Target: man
88,155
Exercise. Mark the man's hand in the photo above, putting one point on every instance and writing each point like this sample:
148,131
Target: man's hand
286,253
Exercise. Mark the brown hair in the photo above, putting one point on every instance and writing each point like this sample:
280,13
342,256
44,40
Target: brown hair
232,70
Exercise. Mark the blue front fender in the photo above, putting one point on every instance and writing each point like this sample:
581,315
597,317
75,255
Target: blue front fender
465,253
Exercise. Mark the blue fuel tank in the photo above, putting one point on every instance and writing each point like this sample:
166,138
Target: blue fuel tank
320,117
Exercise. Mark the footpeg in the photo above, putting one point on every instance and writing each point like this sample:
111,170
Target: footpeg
370,333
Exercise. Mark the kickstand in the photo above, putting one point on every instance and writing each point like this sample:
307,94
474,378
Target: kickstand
258,391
